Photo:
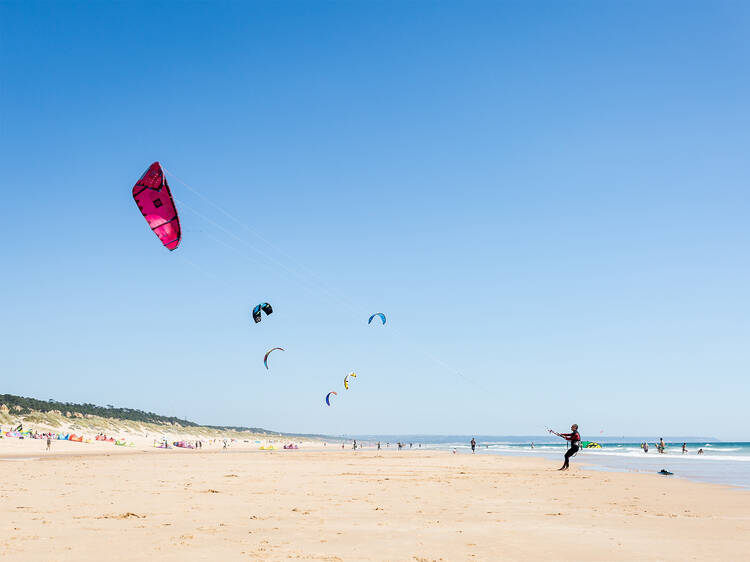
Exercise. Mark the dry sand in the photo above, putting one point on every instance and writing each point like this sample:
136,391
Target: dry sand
108,504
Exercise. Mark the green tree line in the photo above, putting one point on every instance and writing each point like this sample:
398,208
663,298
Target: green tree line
28,405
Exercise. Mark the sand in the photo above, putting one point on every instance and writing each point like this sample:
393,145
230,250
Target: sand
101,503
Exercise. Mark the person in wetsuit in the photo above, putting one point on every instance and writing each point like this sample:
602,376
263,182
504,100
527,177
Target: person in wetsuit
473,444
574,438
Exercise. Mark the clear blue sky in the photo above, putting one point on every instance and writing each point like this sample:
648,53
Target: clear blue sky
551,198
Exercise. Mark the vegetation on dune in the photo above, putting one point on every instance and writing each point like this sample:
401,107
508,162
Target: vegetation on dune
89,417
20,405
54,413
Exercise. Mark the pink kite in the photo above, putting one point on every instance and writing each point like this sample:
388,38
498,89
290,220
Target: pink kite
154,199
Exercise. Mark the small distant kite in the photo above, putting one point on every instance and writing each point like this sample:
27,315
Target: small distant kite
265,307
346,379
328,396
382,317
265,359
152,195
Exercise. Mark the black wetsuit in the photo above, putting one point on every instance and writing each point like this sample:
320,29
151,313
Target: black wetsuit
575,440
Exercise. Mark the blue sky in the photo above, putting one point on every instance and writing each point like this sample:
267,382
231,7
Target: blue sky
549,198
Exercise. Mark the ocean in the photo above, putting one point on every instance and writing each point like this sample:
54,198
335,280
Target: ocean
722,462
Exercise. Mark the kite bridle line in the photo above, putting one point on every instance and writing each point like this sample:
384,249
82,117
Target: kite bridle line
357,311
296,277
245,256
203,270
352,307
240,252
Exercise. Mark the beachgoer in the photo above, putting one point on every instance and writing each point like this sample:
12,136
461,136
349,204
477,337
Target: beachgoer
473,444
378,445
532,444
700,451
574,438
355,444
49,443
645,447
661,445
684,448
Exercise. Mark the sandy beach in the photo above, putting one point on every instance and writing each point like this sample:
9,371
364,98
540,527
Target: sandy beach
340,505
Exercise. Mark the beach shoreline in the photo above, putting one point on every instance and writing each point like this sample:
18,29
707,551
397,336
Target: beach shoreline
331,504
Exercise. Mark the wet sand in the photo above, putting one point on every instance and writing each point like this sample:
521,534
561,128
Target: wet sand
340,505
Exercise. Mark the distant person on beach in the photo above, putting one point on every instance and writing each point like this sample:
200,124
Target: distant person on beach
49,442
661,446
645,447
378,445
355,445
574,438
473,444
684,448
700,451
532,444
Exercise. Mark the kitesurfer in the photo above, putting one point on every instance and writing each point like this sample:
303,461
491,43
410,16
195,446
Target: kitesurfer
574,438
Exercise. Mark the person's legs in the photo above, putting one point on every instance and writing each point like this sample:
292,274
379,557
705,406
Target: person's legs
570,452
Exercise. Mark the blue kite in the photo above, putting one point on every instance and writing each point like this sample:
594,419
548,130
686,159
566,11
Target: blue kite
382,317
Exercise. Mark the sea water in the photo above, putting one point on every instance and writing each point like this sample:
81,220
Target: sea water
722,462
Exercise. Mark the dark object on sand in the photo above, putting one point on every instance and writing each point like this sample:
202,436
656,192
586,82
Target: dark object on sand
665,472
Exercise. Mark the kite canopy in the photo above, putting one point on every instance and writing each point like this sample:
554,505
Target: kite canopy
265,359
265,307
152,195
382,317
328,396
346,379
